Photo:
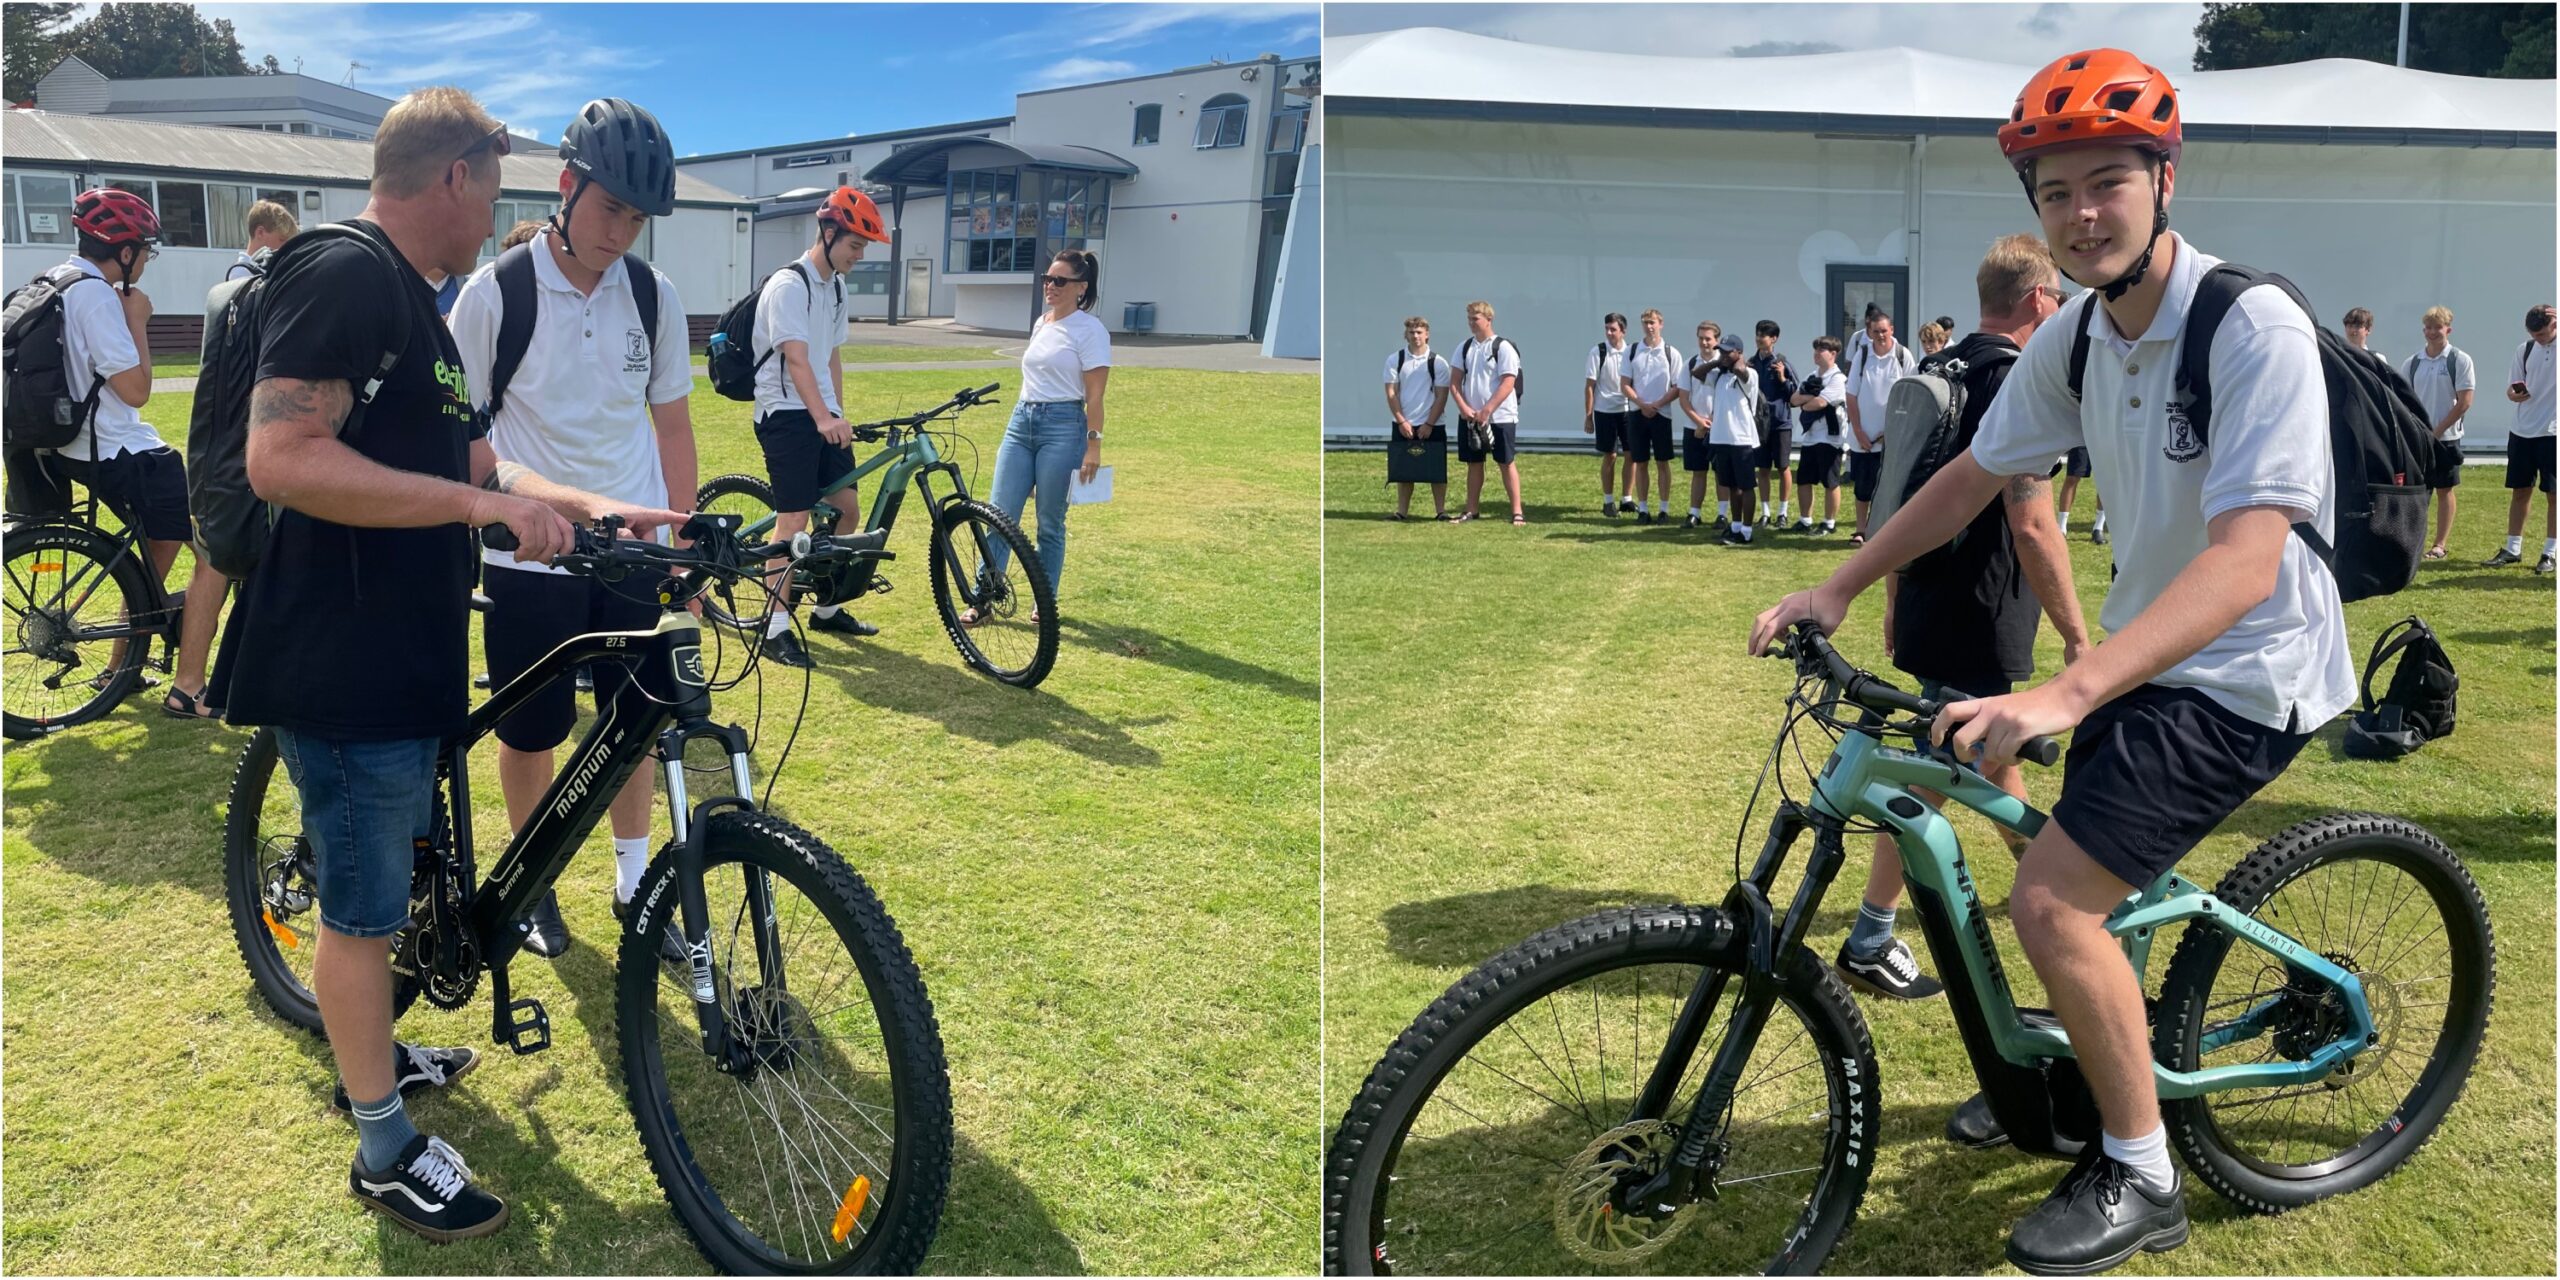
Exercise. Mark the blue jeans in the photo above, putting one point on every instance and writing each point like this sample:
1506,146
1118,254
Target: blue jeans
364,805
1043,448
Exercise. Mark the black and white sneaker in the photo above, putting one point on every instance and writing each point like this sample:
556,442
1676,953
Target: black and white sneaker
2544,564
417,1069
842,623
670,942
1694,522
1801,526
429,1191
1642,517
786,649
1830,527
1892,973
2502,559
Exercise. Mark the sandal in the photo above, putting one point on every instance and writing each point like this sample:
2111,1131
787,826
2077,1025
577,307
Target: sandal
968,617
1398,516
181,705
1517,518
2436,553
146,680
1462,517
1857,539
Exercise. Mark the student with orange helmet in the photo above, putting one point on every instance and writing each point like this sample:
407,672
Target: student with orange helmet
2226,644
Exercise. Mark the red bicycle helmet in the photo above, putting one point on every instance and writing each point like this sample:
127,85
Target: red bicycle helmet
2096,95
850,210
114,217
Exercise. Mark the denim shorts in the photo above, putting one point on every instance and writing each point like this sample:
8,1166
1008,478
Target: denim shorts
364,807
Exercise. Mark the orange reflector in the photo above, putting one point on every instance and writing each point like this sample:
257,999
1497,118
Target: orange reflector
854,1196
284,935
49,566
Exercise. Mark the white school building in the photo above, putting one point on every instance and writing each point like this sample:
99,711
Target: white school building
1798,189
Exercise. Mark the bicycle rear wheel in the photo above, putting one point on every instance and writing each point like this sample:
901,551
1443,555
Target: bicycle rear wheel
829,1150
1011,631
1492,1136
72,593
750,499
2385,900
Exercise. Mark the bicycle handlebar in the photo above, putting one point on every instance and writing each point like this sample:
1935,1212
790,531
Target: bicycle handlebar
1815,655
965,398
715,548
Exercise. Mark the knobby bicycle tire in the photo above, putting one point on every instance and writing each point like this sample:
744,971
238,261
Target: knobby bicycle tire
34,604
956,587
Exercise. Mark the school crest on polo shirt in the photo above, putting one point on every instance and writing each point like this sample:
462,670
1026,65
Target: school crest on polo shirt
2184,444
635,351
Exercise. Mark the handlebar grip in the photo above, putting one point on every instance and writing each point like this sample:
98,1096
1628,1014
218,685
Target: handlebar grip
985,391
498,537
2041,751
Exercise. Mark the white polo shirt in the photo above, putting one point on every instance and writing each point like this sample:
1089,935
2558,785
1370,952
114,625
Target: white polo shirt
97,343
1602,369
2270,447
1813,426
1730,404
1655,370
1870,382
2532,367
2437,378
1418,382
1487,362
577,408
790,309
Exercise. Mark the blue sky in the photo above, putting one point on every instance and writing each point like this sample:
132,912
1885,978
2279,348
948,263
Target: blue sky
2025,34
726,76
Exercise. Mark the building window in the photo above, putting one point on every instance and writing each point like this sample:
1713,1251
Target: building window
1289,131
181,206
39,209
1222,122
868,279
1149,127
1280,176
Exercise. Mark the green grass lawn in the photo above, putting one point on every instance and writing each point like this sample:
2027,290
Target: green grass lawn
1109,883
1526,725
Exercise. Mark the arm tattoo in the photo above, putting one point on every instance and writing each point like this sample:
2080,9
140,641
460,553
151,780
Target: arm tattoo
503,477
2025,489
292,400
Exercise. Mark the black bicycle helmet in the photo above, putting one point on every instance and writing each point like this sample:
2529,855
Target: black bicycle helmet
620,147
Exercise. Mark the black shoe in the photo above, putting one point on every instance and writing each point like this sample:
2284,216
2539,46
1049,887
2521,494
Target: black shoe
2101,1215
785,649
1830,527
429,1191
1643,517
670,942
2544,564
480,681
1801,526
1974,1126
2098,535
842,623
2502,559
1609,509
547,935
1891,973
1694,522
418,1070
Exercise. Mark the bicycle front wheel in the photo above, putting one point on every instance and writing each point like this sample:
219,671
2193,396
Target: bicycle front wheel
74,597
828,1148
1497,1134
2385,900
1003,621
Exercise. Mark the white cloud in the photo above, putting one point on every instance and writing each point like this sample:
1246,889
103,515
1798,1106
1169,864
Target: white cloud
523,75
1078,71
2026,34
1093,26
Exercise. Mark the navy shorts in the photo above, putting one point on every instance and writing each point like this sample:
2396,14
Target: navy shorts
1505,446
2151,774
1776,442
146,490
2529,462
2076,462
799,461
530,614
2444,470
1819,464
1865,470
1608,430
1649,439
1695,453
365,805
1734,465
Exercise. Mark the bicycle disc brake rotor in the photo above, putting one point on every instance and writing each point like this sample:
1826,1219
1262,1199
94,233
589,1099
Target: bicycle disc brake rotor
1587,1217
775,1026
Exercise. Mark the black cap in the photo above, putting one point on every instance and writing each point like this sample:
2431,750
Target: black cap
620,147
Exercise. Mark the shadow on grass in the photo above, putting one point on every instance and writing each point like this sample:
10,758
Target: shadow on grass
992,1223
1154,646
973,706
2473,837
1468,928
186,768
2478,579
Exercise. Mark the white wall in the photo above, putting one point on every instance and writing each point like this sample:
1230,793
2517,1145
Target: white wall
1558,224
999,302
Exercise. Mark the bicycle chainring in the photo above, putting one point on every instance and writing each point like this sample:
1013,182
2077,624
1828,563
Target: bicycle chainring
1589,1220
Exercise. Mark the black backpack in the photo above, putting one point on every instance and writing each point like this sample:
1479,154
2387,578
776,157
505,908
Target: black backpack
731,355
2380,442
517,306
231,520
2418,707
1519,381
37,409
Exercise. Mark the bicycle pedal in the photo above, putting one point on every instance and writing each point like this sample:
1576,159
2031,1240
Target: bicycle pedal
528,1028
881,586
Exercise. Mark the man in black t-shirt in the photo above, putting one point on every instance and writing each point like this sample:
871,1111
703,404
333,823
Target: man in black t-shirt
353,640
1963,617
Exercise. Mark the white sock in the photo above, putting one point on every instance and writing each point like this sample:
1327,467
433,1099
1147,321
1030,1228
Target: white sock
2147,1156
1693,513
828,610
2066,521
1662,507
1724,511
1608,503
1784,510
777,623
2515,545
2548,544
630,860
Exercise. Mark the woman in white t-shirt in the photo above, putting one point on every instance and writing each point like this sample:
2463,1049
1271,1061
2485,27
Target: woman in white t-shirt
1056,431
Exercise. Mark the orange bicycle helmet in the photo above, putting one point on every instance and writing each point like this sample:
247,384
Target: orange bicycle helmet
2097,95
851,211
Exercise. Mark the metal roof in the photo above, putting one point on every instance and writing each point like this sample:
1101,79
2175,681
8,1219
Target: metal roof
1436,71
930,162
849,140
109,143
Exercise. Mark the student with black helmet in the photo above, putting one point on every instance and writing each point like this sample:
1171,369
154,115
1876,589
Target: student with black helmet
577,355
799,414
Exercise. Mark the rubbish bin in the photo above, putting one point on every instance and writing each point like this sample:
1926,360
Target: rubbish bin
1138,317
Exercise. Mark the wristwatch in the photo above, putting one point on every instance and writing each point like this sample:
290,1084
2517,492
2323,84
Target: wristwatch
1091,434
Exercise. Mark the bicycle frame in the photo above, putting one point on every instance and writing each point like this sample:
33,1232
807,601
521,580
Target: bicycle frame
901,462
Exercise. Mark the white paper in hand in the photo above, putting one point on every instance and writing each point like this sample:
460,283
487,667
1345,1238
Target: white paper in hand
1081,491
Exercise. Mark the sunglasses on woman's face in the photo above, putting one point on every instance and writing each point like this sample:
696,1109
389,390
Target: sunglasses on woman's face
1061,282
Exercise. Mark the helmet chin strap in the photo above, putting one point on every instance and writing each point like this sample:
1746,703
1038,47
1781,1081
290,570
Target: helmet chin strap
560,221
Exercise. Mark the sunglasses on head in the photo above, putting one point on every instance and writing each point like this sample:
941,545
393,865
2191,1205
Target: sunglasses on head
1061,282
497,140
